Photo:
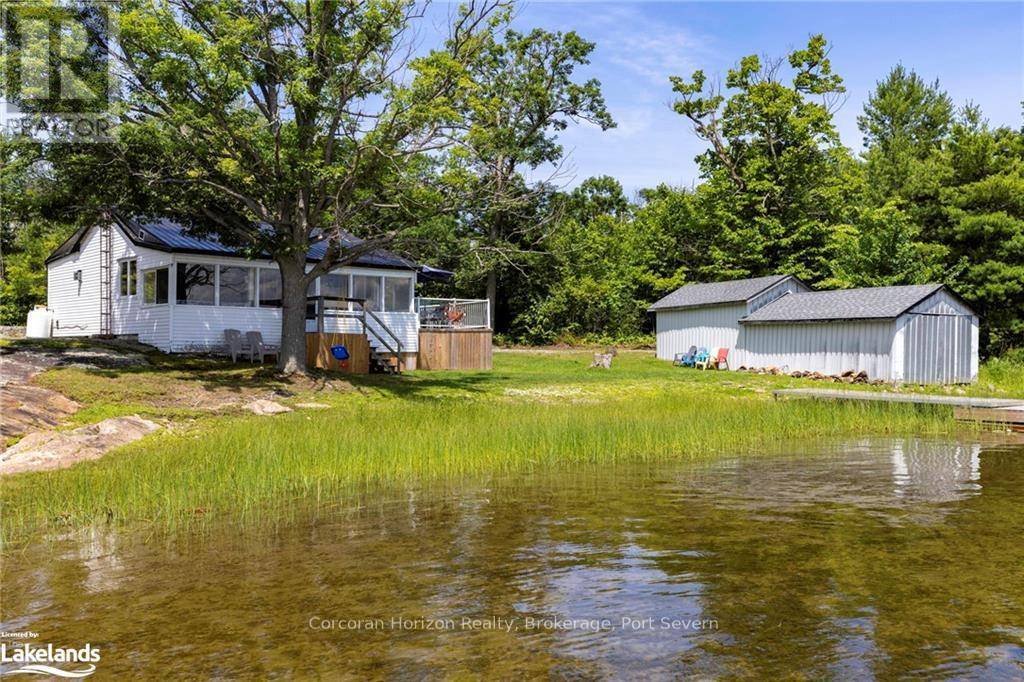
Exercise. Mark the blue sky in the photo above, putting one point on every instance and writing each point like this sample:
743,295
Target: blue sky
976,50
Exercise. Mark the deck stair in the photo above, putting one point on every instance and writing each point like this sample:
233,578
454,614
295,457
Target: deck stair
385,344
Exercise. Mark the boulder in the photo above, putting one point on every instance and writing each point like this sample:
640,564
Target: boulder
46,450
267,407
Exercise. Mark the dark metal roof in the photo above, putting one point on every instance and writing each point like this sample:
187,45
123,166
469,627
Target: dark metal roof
875,303
70,245
733,291
166,235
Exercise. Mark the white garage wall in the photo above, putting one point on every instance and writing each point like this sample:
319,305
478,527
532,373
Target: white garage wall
826,347
708,326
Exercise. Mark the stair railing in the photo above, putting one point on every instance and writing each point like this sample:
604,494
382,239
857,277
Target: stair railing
393,346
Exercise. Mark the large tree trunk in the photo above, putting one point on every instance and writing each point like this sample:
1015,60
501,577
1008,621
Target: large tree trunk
293,317
492,295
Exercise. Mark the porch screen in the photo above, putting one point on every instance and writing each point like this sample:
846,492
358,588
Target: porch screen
367,287
270,288
195,284
397,294
237,285
334,284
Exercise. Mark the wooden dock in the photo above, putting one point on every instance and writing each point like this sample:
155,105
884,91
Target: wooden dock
1008,412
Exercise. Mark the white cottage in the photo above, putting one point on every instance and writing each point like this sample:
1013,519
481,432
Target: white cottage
918,333
708,315
179,293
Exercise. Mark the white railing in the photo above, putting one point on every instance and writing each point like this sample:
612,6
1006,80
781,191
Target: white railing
454,313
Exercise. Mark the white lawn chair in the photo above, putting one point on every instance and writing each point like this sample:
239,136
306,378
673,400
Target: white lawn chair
236,347
258,349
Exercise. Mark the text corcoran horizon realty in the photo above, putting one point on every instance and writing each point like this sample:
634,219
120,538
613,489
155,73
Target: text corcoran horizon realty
512,624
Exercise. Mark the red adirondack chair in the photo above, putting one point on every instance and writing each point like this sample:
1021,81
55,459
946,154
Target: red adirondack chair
722,361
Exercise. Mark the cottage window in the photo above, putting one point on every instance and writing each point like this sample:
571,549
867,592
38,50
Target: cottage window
397,294
196,284
270,288
367,288
127,277
155,286
237,286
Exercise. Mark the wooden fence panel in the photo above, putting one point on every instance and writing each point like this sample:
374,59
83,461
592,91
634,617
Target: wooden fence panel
455,349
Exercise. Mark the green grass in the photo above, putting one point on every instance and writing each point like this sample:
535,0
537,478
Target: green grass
533,410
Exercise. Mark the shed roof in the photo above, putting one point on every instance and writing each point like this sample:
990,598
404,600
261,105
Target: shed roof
714,293
164,234
875,303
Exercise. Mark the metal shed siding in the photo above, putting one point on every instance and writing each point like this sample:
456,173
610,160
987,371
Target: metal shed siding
939,342
707,326
826,347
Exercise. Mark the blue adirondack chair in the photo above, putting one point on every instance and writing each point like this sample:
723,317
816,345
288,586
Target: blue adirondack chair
685,359
702,358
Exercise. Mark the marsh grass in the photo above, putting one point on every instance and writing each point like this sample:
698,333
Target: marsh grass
256,469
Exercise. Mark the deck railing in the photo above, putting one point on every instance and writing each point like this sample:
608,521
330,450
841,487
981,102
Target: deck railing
454,313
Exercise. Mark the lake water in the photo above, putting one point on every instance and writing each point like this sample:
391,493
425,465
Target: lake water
874,558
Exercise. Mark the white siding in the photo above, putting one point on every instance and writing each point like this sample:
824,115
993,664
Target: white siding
826,347
940,342
130,315
76,304
708,326
715,326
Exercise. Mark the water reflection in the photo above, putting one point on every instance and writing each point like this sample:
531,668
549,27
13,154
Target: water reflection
860,559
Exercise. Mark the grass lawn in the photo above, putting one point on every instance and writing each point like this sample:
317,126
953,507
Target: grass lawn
533,409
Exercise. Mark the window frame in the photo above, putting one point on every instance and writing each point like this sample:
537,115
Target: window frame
128,281
156,289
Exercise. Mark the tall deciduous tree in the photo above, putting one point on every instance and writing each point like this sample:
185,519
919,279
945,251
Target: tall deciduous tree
524,93
275,123
774,167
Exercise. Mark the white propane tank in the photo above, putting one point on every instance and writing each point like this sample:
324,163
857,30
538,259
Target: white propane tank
39,321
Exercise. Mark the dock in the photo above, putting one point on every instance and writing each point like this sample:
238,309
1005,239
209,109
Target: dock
1007,412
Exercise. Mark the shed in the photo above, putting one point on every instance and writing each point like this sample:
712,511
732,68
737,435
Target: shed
919,333
708,314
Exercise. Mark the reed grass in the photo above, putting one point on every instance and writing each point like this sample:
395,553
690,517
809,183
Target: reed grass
256,469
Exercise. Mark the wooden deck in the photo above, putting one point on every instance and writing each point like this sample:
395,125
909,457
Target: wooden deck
1007,412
